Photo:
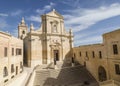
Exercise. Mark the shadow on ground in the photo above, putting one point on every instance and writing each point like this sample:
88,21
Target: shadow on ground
67,76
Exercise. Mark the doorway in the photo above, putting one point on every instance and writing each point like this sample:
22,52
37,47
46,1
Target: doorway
56,55
102,74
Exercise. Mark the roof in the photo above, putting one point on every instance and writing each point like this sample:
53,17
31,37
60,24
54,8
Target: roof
54,13
112,32
7,34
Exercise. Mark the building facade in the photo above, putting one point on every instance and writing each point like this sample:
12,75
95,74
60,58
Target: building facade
51,42
102,60
11,57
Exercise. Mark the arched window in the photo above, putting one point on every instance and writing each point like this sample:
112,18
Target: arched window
5,72
23,32
12,68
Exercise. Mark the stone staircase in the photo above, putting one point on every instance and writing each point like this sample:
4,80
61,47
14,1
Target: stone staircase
40,77
59,64
69,76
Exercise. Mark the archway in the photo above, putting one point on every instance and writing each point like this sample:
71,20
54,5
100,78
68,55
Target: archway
5,72
102,74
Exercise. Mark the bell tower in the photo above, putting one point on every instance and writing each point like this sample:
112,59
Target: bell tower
22,29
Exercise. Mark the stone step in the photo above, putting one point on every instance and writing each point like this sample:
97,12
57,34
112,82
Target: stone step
40,77
71,76
59,65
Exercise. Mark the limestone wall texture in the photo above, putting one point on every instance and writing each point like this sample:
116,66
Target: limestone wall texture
105,66
11,57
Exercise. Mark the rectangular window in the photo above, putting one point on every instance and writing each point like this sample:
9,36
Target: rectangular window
12,51
115,49
5,52
93,54
100,54
86,54
18,51
117,69
80,54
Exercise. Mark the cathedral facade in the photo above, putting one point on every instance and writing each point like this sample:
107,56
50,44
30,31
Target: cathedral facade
51,42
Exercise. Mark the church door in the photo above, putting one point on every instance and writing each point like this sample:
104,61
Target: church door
56,55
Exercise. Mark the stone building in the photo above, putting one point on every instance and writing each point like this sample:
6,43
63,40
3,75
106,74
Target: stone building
11,57
102,60
48,43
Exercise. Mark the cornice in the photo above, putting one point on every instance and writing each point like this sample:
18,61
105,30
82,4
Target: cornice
49,34
53,16
7,34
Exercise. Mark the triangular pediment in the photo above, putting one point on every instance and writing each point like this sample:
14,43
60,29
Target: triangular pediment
54,13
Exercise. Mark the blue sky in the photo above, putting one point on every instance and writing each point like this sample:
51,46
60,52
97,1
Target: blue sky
88,19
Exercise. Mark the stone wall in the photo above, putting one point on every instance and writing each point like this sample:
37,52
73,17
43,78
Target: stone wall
104,63
13,56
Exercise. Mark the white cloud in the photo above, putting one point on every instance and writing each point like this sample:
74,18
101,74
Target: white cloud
98,31
75,3
15,32
89,40
45,8
85,18
3,14
82,19
91,37
36,18
16,13
48,7
3,24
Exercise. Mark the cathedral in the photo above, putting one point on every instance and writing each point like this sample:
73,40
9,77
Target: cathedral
51,42
89,65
